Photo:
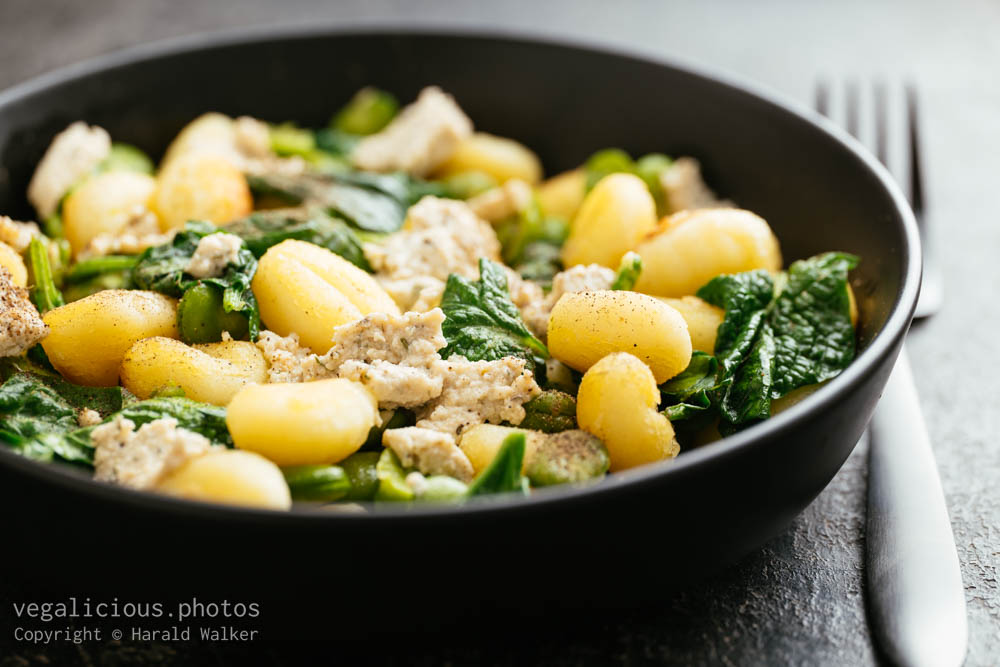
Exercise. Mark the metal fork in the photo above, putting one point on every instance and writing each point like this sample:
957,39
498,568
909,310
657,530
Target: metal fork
916,598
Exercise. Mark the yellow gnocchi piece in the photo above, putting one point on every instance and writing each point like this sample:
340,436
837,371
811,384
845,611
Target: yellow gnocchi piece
11,260
309,290
703,320
692,247
88,338
613,218
562,195
200,187
210,133
302,423
587,326
231,477
501,158
210,373
617,402
104,204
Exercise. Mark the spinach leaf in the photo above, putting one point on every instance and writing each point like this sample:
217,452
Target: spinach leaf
162,269
743,296
482,323
368,201
208,420
690,395
264,229
813,333
748,396
503,474
774,339
628,272
37,409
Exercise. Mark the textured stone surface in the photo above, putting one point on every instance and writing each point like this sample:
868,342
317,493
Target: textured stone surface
800,599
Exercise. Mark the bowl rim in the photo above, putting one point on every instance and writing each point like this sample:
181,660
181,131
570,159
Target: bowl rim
881,346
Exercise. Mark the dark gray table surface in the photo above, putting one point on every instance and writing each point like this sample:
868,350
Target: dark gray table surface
800,599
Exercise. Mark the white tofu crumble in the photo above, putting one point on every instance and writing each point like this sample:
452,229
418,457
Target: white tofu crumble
685,189
21,327
214,253
88,417
440,237
139,459
73,154
474,392
503,201
288,360
429,451
419,139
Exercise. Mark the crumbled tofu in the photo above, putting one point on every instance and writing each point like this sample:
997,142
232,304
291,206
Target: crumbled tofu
479,391
420,138
685,189
288,360
20,324
72,155
393,355
16,234
412,339
502,202
394,385
139,459
253,137
429,451
441,237
580,278
214,253
140,232
88,417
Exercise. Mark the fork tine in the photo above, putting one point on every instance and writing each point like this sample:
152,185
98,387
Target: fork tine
916,170
852,100
881,123
821,101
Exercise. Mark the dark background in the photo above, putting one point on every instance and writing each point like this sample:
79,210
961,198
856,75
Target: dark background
800,599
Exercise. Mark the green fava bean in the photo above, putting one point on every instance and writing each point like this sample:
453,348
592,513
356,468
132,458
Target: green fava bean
392,484
202,319
360,469
321,483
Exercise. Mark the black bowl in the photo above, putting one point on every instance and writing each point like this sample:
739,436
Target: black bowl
625,539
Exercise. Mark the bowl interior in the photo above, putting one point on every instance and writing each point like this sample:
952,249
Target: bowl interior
564,102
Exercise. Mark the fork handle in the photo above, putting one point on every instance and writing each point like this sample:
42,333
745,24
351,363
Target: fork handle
915,586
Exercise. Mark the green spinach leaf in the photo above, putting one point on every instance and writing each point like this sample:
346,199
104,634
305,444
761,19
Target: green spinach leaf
743,296
814,337
264,229
162,269
368,201
482,323
44,293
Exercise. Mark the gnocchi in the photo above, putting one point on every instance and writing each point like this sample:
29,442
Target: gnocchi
692,247
587,326
612,219
209,372
89,338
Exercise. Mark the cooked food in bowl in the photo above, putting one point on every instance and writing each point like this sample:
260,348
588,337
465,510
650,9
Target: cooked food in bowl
393,308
